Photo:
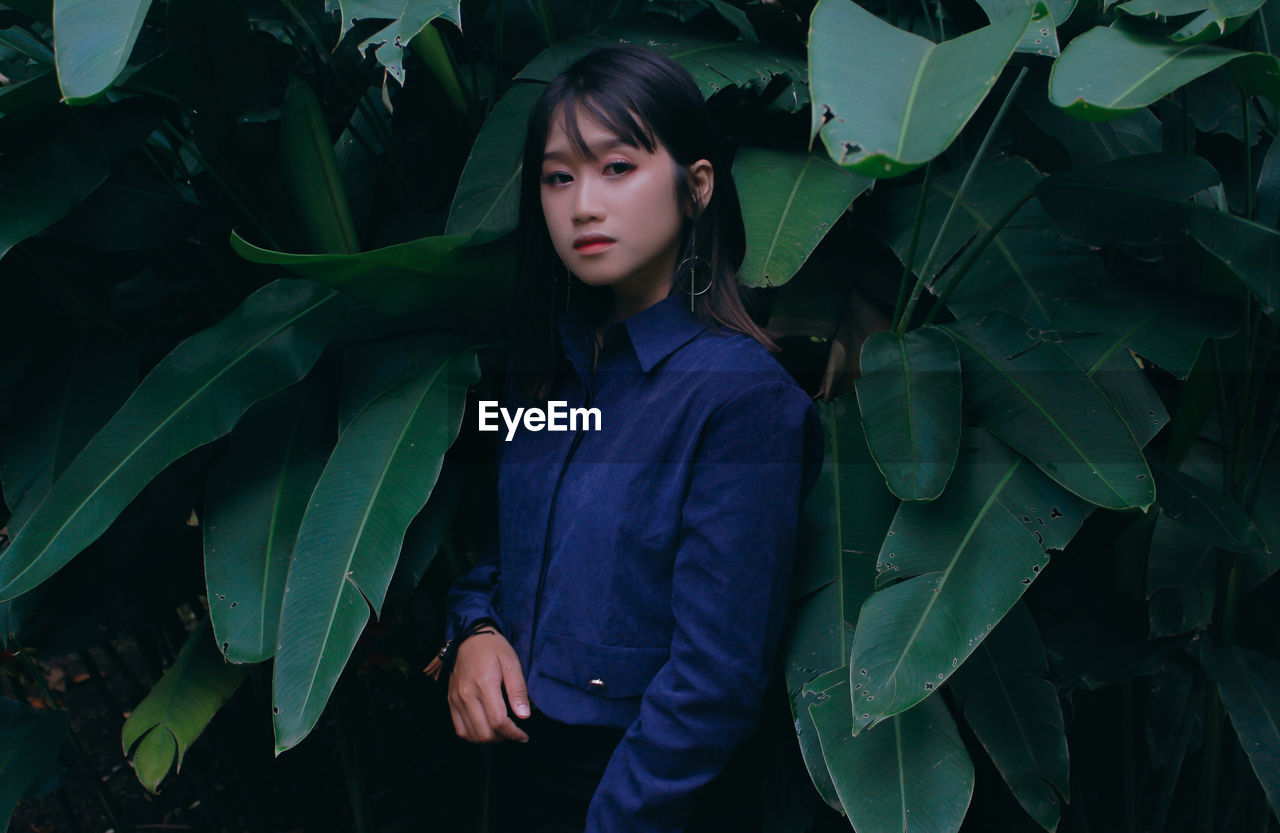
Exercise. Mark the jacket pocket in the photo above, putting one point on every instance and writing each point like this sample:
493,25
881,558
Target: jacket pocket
609,671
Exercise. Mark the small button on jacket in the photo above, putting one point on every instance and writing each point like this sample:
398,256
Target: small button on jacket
643,569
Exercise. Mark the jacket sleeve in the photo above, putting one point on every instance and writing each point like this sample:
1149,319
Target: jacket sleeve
758,456
472,596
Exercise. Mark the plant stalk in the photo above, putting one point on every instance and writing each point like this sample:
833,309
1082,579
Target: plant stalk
905,320
975,251
910,259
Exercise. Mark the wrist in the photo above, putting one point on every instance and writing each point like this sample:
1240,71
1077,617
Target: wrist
448,652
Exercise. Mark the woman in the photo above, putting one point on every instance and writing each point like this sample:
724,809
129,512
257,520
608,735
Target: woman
624,631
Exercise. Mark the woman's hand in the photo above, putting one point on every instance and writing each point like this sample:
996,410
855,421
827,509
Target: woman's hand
486,664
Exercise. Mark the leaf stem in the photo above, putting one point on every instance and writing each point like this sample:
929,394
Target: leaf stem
910,259
974,252
905,320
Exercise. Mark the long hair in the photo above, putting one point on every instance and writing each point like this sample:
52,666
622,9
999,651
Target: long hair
646,100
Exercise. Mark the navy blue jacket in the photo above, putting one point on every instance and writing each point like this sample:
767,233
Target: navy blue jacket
644,568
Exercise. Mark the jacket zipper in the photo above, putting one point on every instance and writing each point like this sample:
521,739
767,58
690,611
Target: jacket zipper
546,540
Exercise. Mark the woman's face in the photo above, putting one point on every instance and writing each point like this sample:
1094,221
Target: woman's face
613,219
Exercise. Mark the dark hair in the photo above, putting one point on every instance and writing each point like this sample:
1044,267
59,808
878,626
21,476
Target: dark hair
646,100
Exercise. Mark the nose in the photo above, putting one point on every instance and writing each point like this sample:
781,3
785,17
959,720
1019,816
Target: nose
587,204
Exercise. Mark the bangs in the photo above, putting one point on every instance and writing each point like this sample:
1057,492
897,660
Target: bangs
611,111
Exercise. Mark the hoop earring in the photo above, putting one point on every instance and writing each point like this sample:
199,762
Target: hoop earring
691,263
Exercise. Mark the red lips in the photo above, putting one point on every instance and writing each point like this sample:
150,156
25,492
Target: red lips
594,239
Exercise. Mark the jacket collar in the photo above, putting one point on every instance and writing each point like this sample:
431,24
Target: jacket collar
655,332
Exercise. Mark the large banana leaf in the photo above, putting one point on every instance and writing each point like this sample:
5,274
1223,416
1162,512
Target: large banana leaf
92,40
1013,709
886,101
1143,198
68,396
1182,570
1027,391
715,63
1212,515
311,173
378,477
1109,71
1029,270
408,18
1216,18
455,285
1037,40
958,563
172,716
910,774
1118,376
1159,323
1088,142
842,527
29,743
909,395
41,186
487,202
1248,682
193,396
791,201
255,501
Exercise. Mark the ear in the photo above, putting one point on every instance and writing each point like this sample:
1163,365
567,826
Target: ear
702,181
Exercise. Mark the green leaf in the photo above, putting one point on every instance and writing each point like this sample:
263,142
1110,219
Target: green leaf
1207,512
1013,709
30,740
1182,571
795,199
456,285
1037,40
1109,71
1141,199
715,63
430,47
27,44
379,476
311,173
910,774
193,396
959,564
1026,390
42,186
887,101
909,395
487,202
1216,18
172,716
92,40
1247,683
255,501
408,18
1087,142
1159,323
1029,270
67,397
843,523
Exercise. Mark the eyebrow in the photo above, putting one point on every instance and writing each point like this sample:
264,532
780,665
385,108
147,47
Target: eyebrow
596,149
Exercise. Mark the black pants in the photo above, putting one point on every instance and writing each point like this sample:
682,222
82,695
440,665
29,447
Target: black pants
545,785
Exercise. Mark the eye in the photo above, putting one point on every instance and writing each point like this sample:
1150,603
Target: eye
556,178
618,168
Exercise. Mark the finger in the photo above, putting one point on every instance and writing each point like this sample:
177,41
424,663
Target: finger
496,710
459,725
478,721
513,682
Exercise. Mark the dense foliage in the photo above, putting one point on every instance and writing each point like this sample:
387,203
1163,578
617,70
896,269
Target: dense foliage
256,252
